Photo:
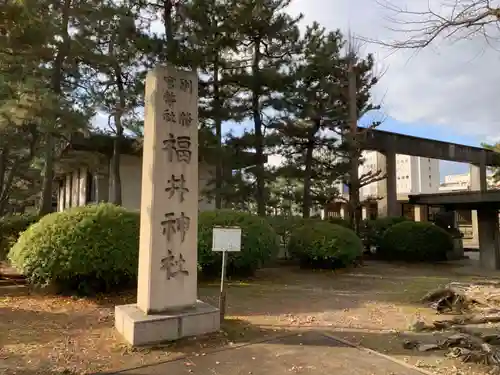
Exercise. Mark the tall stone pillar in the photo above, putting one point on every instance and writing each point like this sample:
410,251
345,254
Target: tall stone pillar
489,238
167,306
387,188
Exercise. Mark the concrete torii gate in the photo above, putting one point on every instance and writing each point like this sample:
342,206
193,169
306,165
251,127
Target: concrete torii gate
484,206
388,144
486,203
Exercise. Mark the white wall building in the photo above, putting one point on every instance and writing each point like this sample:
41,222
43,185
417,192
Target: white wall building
414,174
461,182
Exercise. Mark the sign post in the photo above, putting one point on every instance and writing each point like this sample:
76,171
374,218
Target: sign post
225,239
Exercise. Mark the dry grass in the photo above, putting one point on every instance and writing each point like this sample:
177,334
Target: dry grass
371,306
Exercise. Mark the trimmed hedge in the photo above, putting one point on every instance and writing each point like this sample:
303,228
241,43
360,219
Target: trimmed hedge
339,221
11,228
259,243
84,249
285,225
325,245
372,231
415,242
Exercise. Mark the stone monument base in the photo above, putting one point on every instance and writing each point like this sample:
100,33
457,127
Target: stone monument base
140,329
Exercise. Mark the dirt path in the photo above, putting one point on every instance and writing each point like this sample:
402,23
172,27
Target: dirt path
371,306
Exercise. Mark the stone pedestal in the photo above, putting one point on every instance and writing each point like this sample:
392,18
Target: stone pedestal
167,305
458,250
139,328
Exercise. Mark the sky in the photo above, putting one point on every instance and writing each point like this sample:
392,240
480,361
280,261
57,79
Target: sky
447,91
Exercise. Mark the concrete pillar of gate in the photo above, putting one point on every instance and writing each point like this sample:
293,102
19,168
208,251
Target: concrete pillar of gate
386,188
478,182
489,238
344,211
421,213
364,213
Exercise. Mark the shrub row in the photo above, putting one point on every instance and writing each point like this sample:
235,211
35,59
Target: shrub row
95,248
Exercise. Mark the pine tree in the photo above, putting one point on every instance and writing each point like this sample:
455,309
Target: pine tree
308,107
115,71
355,100
50,68
269,39
211,39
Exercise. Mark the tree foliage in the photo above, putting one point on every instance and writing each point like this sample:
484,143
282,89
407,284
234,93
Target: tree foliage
63,63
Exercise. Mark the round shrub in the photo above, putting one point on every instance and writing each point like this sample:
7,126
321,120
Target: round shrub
84,249
285,225
11,228
259,243
340,221
372,231
415,242
325,245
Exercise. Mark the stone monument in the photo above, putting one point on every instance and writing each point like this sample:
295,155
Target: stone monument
167,306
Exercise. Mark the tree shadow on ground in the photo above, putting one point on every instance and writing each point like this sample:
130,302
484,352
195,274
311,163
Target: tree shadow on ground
21,326
290,290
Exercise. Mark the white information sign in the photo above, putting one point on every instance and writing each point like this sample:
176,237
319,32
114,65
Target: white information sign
226,239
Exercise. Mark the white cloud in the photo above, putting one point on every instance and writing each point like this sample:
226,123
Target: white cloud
454,84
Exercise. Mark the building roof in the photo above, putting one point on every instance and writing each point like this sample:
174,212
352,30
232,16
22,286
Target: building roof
459,199
98,143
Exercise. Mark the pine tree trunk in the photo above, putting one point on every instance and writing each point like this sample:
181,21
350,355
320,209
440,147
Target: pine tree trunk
116,181
48,176
217,109
354,201
45,206
259,137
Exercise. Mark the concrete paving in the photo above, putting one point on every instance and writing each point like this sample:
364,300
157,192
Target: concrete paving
307,353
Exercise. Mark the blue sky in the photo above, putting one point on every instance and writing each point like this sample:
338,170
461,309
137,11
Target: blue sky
439,132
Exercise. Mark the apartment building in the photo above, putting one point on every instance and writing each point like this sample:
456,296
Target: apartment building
414,174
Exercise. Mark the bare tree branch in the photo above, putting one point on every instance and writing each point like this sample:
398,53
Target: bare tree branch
446,19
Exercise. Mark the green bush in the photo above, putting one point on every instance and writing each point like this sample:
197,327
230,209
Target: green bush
285,225
339,221
372,231
324,245
84,249
415,242
259,243
11,228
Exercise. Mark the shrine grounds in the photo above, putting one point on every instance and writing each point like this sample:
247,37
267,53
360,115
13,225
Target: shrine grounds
372,306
